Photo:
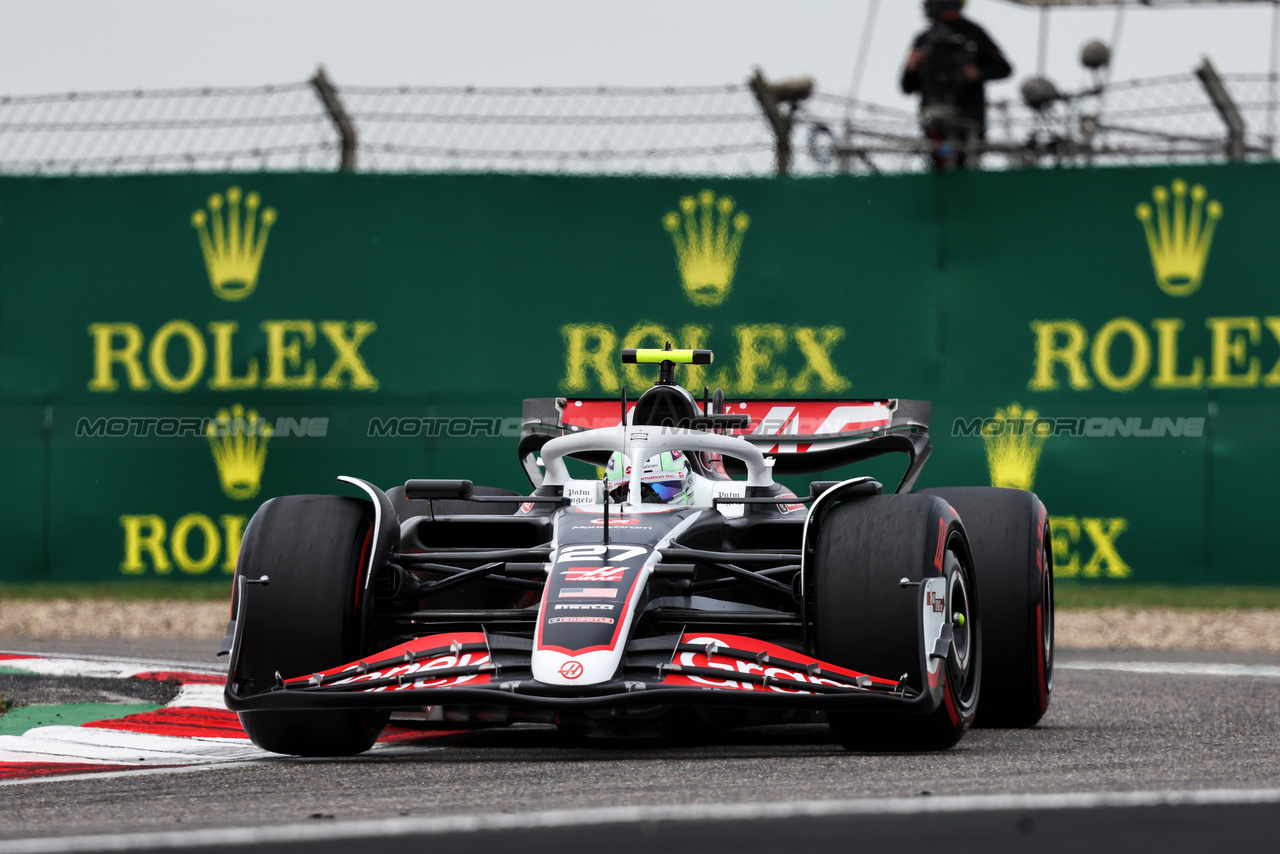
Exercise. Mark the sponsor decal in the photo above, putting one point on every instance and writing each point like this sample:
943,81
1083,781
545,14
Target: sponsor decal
232,236
762,359
233,252
571,670
180,355
584,607
1014,443
580,493
238,441
526,507
617,522
598,573
1235,354
938,603
734,666
1086,548
1180,240
152,543
589,592
707,233
420,669
768,419
599,563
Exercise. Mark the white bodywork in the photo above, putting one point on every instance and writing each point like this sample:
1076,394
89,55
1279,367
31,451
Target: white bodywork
636,443
600,665
641,443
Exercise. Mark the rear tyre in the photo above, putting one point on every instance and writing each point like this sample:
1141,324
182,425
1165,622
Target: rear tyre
1009,533
310,617
866,621
407,508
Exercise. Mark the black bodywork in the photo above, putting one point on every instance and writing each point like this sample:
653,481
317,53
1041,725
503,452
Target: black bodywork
453,601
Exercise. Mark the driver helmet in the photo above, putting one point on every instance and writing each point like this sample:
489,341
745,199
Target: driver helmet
665,479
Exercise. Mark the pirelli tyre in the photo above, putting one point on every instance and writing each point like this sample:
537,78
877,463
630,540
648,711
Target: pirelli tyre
1009,533
407,508
314,549
866,619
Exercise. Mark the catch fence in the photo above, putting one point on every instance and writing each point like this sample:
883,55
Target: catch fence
597,130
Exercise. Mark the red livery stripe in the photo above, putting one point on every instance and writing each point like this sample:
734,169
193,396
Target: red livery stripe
179,721
184,677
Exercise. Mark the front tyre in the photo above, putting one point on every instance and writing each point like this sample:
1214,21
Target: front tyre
1009,532
310,617
866,621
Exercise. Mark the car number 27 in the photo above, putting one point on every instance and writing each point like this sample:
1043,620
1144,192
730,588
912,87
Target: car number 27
571,554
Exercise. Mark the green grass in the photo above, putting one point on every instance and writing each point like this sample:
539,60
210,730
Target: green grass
200,591
1074,596
26,718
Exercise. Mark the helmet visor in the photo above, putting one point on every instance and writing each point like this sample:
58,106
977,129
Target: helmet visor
667,489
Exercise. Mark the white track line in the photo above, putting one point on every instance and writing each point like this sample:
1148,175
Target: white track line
142,665
399,827
152,752
1174,668
108,746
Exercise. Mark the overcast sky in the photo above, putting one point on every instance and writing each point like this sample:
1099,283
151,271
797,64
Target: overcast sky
61,45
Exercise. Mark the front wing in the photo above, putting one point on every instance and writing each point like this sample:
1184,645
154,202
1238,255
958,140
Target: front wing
698,669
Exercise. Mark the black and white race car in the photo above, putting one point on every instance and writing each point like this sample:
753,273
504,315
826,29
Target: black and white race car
670,584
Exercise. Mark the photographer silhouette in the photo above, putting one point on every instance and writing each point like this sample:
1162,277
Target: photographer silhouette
948,65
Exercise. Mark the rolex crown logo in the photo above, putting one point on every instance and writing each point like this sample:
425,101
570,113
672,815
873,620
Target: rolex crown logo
232,242
1180,239
239,444
1014,443
708,238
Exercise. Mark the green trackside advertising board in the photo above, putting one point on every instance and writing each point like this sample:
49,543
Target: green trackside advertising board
176,350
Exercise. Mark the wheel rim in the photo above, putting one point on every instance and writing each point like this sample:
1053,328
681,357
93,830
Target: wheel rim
1046,609
961,628
962,662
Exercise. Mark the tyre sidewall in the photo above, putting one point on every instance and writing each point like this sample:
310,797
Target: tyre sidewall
867,620
1009,534
311,616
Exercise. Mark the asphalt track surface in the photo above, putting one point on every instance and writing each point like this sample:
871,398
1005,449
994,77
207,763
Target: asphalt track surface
1181,757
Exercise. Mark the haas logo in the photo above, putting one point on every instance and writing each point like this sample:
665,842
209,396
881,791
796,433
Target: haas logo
938,603
571,670
599,573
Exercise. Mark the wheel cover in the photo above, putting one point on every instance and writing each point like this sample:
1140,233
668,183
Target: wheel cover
958,600
962,661
1046,610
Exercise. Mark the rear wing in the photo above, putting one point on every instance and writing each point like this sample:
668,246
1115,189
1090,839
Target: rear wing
802,436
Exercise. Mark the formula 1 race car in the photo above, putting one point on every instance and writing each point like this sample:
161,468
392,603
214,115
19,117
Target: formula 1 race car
671,584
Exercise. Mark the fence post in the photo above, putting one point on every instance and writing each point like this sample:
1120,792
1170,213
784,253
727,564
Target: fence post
771,97
341,121
1226,107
